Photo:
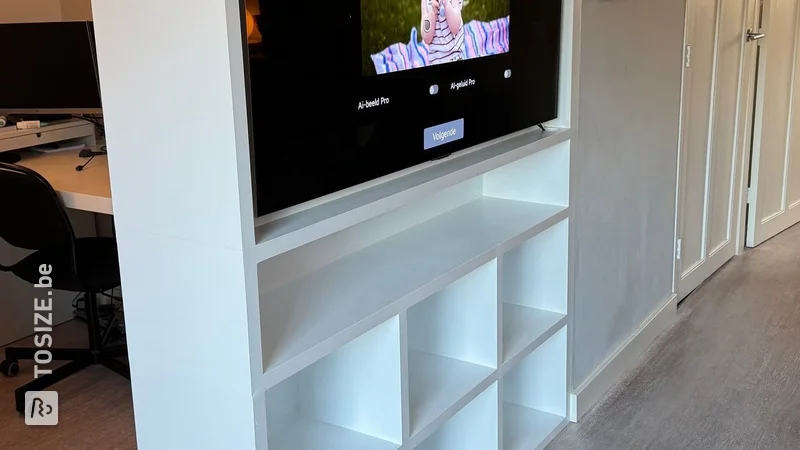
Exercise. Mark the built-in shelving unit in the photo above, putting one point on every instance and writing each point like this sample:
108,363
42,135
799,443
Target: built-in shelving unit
438,323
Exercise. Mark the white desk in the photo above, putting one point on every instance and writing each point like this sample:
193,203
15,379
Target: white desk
87,190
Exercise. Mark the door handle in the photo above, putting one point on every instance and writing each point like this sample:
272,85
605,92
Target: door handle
752,36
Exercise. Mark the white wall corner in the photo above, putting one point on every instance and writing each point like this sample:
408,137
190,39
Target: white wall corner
622,359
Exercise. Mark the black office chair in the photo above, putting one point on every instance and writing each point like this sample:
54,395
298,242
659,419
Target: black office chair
33,218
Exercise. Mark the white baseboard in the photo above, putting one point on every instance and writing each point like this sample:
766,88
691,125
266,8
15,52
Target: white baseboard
622,359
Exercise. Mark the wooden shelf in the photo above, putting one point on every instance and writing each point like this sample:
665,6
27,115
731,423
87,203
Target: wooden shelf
320,218
305,320
316,435
527,428
437,383
525,328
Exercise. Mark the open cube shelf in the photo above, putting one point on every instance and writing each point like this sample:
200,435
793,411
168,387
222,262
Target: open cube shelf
351,399
473,428
534,283
535,396
452,343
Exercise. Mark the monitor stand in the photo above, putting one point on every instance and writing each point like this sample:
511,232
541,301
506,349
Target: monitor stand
14,118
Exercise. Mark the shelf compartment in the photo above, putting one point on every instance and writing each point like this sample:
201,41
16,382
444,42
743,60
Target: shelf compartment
315,435
452,343
534,284
351,399
308,318
535,396
542,177
475,427
297,226
529,429
525,328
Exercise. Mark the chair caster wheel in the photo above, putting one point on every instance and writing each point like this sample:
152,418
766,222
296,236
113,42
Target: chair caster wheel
9,367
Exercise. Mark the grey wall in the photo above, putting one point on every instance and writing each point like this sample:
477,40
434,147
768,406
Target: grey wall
631,56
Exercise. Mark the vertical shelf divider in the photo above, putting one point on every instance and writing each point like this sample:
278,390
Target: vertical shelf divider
404,377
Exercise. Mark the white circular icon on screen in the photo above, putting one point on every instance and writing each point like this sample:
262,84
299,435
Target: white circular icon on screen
507,73
434,89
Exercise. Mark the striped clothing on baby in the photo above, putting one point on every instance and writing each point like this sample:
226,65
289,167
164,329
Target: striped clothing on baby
445,47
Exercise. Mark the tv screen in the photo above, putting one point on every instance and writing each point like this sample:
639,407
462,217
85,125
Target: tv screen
346,91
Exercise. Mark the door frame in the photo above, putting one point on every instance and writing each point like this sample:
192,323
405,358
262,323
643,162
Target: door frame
745,105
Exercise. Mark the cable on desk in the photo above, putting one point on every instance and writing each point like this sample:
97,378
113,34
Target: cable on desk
94,120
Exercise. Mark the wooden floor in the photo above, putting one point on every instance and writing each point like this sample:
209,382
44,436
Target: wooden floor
726,376
95,407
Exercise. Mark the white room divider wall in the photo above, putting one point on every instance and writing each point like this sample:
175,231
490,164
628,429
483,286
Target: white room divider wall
429,309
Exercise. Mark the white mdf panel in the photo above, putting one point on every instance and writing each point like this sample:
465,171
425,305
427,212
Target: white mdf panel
542,178
351,399
535,396
529,429
534,282
526,328
460,321
536,274
297,226
315,435
452,342
287,267
439,386
540,380
305,320
475,427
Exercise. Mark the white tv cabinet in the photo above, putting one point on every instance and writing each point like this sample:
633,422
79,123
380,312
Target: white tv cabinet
427,311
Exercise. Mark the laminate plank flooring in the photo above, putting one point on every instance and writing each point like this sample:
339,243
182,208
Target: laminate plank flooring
725,376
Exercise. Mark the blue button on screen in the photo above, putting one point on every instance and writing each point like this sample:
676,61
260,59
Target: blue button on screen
444,133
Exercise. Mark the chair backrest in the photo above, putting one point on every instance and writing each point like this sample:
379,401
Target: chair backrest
32,216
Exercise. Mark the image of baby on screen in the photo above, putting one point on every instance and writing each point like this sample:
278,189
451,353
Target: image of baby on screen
398,35
443,30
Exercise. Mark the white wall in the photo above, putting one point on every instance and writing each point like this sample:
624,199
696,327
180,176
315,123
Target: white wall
626,170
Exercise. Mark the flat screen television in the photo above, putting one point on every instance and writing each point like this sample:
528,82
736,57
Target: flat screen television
345,91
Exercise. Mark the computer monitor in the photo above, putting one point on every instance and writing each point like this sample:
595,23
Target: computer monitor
49,68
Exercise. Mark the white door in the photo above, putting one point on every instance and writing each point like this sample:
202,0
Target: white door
774,198
713,136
